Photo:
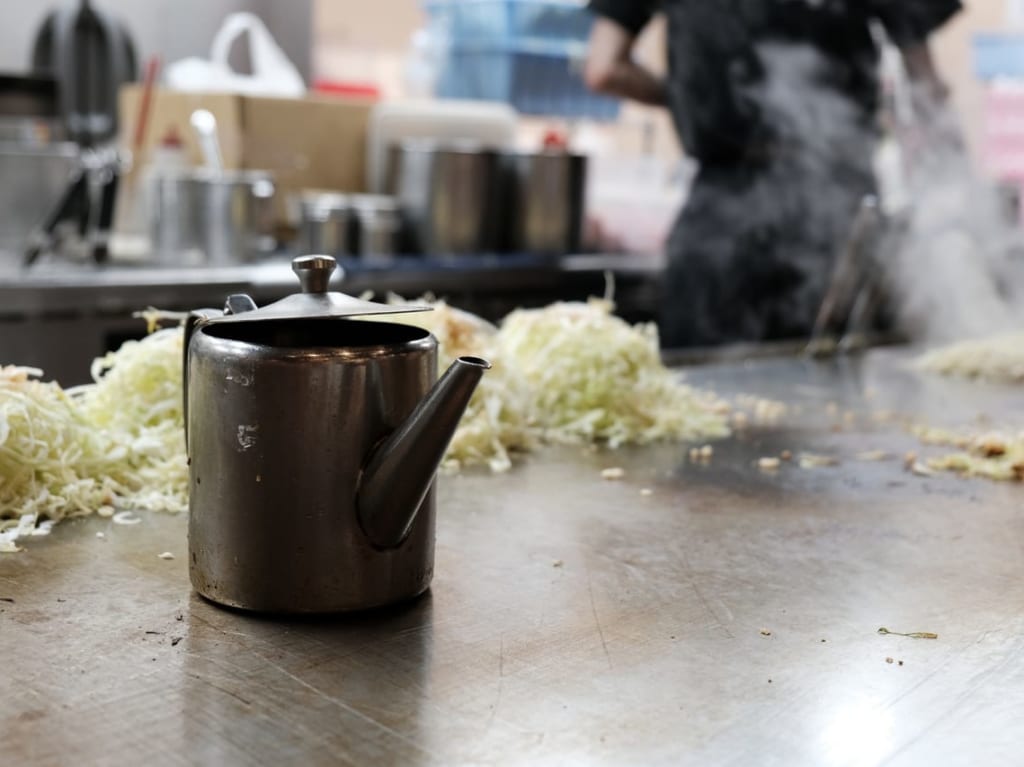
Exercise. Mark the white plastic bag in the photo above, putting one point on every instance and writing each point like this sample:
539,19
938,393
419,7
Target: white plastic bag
272,73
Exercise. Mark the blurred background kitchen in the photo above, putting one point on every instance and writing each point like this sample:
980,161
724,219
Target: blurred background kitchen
164,154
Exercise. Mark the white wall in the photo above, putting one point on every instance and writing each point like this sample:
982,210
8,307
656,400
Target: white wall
171,28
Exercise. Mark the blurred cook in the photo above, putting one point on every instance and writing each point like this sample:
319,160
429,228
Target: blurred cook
778,101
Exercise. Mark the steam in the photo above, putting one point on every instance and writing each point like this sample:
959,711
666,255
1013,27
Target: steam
955,270
947,262
823,143
949,259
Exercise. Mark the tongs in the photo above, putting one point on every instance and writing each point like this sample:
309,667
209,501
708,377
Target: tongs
855,292
85,211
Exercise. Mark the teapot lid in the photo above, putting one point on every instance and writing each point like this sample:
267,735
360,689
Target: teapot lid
314,273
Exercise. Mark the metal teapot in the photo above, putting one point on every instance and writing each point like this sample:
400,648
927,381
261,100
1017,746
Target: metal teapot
313,440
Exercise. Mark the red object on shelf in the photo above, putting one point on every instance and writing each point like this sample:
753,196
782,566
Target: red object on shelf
171,139
346,88
142,119
555,139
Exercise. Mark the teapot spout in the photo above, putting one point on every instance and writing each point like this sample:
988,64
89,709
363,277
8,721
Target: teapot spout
401,469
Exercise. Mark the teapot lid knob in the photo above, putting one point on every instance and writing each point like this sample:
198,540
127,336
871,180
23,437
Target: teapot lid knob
314,272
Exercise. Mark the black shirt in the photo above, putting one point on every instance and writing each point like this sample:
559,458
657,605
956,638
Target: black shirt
723,53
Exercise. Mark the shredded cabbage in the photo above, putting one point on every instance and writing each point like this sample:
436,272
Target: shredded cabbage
117,442
569,373
993,455
595,377
998,358
137,400
499,420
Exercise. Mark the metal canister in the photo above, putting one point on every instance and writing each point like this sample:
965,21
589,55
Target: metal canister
209,217
376,226
450,195
546,196
324,222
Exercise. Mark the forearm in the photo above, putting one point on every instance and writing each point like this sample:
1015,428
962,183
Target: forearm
629,80
610,67
920,66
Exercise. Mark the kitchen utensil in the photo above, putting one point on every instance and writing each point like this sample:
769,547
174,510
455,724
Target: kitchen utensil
145,105
546,191
130,236
376,226
36,179
205,126
450,196
36,167
215,218
313,440
324,223
857,291
91,55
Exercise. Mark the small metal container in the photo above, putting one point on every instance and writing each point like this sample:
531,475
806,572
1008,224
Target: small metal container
376,226
210,217
546,200
325,220
450,195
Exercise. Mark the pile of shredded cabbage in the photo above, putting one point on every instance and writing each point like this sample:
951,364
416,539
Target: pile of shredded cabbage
568,373
595,378
499,420
998,358
116,443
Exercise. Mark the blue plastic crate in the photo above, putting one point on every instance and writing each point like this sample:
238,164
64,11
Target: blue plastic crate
527,53
998,55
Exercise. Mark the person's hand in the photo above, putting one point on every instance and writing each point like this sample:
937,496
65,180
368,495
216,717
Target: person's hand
933,139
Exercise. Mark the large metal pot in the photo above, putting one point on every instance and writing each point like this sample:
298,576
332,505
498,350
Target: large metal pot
546,195
216,218
449,195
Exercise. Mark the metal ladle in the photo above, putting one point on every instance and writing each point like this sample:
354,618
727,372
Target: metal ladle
205,126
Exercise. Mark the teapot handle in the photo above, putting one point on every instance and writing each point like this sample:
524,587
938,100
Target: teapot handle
236,303
194,319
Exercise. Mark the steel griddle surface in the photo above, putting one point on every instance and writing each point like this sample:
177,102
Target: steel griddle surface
729,617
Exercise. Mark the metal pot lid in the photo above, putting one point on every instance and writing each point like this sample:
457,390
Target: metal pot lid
315,301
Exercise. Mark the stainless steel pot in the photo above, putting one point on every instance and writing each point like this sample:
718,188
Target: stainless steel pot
450,196
546,200
313,441
215,218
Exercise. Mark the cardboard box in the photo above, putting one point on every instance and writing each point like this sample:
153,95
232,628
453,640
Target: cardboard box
170,111
309,143
314,142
